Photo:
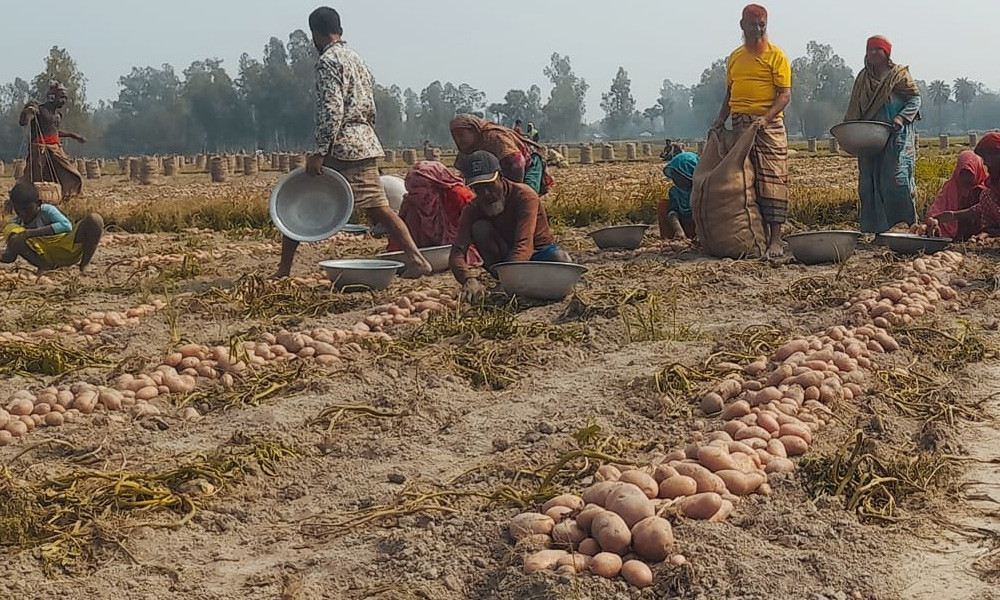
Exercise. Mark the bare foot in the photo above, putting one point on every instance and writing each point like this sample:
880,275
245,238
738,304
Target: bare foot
417,267
774,251
280,274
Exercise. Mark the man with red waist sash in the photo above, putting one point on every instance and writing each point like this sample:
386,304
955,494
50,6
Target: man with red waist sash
47,161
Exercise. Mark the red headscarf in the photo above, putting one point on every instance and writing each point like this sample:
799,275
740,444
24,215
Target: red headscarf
754,11
434,201
880,42
951,197
990,144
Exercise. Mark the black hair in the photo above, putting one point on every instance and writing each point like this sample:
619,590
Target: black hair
517,121
325,21
24,194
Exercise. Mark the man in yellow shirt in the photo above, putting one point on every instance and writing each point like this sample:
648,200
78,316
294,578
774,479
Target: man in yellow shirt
759,79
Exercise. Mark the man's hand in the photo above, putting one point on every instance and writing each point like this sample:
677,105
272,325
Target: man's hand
898,122
719,124
947,217
314,164
80,139
933,227
473,290
17,239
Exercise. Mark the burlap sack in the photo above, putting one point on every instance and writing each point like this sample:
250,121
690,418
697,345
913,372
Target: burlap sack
724,198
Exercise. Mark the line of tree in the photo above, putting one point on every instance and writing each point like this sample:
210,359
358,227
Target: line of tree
269,105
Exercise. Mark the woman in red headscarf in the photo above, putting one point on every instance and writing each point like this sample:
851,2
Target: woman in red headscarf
520,160
886,92
984,216
960,192
434,201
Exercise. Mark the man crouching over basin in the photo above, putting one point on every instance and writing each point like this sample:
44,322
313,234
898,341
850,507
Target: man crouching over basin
506,221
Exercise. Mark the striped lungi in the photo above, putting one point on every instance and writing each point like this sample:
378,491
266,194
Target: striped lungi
770,161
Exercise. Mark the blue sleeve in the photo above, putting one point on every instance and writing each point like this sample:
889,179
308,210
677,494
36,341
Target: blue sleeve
910,108
54,217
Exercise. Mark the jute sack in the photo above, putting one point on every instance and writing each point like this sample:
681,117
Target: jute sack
724,198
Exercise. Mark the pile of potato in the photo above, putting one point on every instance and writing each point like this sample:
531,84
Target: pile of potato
411,308
926,283
183,369
608,532
770,413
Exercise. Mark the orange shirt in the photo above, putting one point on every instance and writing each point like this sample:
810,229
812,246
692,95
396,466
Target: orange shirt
753,80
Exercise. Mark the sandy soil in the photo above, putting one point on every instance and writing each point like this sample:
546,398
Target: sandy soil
274,536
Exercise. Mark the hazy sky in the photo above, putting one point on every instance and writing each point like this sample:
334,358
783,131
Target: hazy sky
495,46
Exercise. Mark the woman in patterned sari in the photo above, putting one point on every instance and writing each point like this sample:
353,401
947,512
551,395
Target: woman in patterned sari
886,92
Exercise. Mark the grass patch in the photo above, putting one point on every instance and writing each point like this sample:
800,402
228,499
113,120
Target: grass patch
240,210
45,357
256,297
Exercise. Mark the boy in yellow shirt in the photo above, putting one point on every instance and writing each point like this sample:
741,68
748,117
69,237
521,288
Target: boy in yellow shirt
759,79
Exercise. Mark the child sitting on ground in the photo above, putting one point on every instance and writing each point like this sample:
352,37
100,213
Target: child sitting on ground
678,221
44,236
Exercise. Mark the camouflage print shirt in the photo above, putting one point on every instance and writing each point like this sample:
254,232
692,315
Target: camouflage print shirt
345,106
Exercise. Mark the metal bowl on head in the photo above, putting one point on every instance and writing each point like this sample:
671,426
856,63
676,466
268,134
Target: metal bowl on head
862,137
817,247
619,236
360,274
436,255
395,189
908,243
539,280
310,208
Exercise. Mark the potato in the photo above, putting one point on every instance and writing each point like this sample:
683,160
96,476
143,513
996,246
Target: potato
752,432
794,445
637,573
570,501
737,409
543,560
790,348
21,406
579,562
7,437
586,517
780,465
526,524
662,472
17,428
612,532
729,389
797,430
705,479
765,395
598,493
739,483
606,564
643,481
712,403
630,503
715,458
653,538
589,547
568,533
607,473
54,419
558,513
700,506
723,513
731,428
776,448
768,422
678,486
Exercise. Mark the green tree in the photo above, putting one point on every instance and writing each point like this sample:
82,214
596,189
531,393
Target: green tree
411,108
464,99
821,89
148,114
939,93
519,104
965,93
618,104
708,94
60,66
566,107
13,97
675,100
653,114
218,116
389,108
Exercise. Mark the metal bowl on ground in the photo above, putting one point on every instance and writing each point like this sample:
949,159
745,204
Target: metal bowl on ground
436,255
908,243
539,280
862,137
817,247
311,208
619,236
355,228
395,189
361,274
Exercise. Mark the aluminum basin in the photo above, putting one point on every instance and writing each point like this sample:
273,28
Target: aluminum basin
360,274
619,236
436,255
539,280
908,243
817,247
862,137
308,208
